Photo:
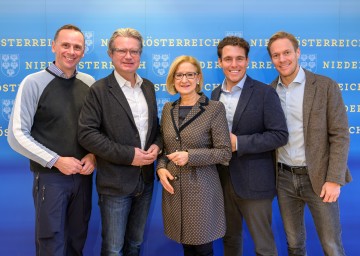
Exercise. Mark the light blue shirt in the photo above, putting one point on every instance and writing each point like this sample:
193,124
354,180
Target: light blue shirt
291,97
230,99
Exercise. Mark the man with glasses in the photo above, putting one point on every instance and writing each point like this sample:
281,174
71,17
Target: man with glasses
257,127
119,124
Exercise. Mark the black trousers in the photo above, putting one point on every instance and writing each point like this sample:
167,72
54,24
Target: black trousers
198,250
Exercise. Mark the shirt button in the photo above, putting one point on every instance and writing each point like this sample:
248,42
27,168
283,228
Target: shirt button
177,138
176,177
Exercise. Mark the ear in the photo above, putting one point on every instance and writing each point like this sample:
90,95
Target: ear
198,79
220,62
53,46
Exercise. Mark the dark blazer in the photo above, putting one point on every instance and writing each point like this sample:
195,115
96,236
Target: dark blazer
326,131
260,126
108,130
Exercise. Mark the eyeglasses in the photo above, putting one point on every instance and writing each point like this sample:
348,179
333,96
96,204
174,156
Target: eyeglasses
123,52
190,75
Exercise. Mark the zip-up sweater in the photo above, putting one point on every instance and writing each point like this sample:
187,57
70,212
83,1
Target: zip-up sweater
44,118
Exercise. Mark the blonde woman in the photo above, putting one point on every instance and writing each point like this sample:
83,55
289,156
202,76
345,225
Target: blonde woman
196,138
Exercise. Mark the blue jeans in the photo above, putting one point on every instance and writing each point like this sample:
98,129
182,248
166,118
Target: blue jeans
123,220
294,191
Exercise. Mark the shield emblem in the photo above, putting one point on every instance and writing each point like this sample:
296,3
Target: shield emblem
10,64
234,33
89,41
7,105
308,61
160,64
160,104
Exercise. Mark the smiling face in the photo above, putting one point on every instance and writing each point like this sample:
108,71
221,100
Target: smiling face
69,49
234,62
185,85
126,65
285,59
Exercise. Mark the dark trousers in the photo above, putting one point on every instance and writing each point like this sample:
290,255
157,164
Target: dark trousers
198,250
62,208
257,215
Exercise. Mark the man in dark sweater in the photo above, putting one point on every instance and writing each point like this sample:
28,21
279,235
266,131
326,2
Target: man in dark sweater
43,128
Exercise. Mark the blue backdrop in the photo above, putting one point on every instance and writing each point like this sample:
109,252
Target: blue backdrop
329,36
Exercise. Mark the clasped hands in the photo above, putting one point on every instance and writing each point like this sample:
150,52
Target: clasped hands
145,157
71,165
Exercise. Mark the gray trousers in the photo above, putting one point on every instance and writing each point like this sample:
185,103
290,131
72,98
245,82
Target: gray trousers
257,215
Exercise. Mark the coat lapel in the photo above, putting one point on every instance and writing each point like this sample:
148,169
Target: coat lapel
174,112
216,93
309,96
115,90
243,101
195,111
151,111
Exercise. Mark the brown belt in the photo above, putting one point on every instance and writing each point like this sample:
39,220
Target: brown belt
299,170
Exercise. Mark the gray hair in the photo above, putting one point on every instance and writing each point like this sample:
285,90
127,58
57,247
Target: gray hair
125,32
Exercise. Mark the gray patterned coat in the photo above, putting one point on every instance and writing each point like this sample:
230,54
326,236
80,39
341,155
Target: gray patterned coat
195,213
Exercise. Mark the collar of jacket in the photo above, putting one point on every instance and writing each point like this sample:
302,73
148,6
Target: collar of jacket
203,100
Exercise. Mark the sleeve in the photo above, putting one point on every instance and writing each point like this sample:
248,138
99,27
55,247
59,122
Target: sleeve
158,138
221,149
338,133
275,129
93,139
21,121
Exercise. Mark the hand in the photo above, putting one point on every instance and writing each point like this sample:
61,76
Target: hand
68,165
153,151
233,139
142,157
179,158
330,192
88,164
164,176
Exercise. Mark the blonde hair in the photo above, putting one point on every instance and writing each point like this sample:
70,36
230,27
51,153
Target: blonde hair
282,35
170,85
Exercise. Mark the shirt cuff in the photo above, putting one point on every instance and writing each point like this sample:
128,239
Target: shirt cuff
52,162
